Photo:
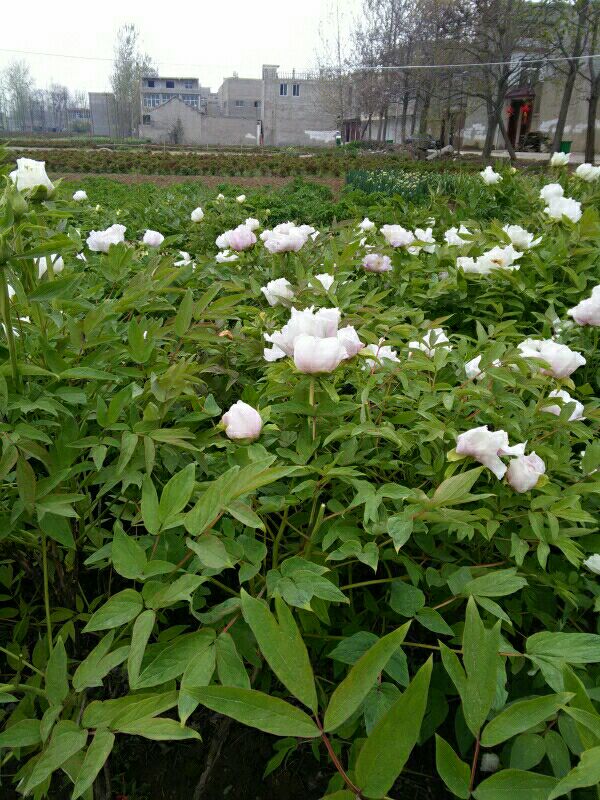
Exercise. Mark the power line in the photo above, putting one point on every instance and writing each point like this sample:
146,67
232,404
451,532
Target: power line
517,62
95,58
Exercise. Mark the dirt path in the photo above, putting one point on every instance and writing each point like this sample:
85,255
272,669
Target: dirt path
211,181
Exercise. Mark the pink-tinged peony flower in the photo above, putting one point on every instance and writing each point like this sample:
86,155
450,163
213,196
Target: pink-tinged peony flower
524,472
486,447
313,355
348,338
322,323
397,236
278,290
566,398
242,422
241,238
373,262
561,360
287,237
559,207
153,238
587,312
490,177
100,241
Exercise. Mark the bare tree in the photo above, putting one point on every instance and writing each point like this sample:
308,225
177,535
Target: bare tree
18,88
128,67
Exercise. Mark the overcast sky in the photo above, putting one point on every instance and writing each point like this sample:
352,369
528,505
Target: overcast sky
206,39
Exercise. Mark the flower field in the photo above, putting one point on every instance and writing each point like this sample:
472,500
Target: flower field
326,470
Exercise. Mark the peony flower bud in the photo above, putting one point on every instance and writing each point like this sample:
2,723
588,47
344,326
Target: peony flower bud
242,422
524,472
55,260
197,215
560,159
240,198
80,195
153,238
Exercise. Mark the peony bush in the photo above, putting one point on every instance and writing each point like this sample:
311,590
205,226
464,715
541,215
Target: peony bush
339,485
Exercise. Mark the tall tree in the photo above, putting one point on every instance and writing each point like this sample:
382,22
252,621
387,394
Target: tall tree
18,89
591,73
128,67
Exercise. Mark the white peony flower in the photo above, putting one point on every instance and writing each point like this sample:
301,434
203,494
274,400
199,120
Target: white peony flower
373,262
80,195
561,359
486,447
382,353
453,236
434,338
57,265
524,472
252,223
490,177
314,355
588,172
30,174
321,323
242,422
225,257
473,371
278,290
587,312
325,279
348,338
241,198
366,225
559,207
100,241
220,197
521,238
397,236
551,191
197,215
593,563
287,237
576,414
238,239
560,159
185,259
153,238
496,258
423,236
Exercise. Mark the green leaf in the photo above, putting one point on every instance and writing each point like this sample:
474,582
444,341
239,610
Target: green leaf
454,772
184,313
522,716
558,753
456,489
351,692
180,589
98,663
128,444
281,644
406,599
387,749
528,749
57,528
97,753
230,666
258,710
176,494
149,506
157,729
586,773
120,609
480,659
142,628
514,784
23,733
66,740
108,713
197,673
44,292
162,663
57,681
496,584
128,557
574,648
26,484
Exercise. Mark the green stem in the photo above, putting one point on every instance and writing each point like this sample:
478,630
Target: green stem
276,543
46,591
24,687
22,660
311,402
10,337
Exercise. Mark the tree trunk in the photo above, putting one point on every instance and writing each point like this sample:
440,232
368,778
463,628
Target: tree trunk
405,101
564,108
490,135
590,134
504,132
424,118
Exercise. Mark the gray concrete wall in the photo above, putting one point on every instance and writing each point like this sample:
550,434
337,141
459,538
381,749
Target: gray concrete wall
246,90
293,120
103,113
198,128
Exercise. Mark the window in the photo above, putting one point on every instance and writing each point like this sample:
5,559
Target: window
239,103
188,84
283,89
190,100
295,90
146,119
152,100
257,104
150,84
166,97
170,84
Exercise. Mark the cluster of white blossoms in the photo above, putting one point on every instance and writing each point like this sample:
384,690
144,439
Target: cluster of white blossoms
496,258
487,447
559,206
561,360
420,239
587,312
238,239
490,177
100,241
287,237
314,340
588,172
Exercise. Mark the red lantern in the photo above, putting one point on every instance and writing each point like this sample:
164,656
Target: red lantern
510,111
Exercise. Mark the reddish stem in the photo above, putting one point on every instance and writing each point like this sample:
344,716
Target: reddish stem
336,762
474,765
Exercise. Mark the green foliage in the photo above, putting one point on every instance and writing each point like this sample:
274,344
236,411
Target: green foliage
346,580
